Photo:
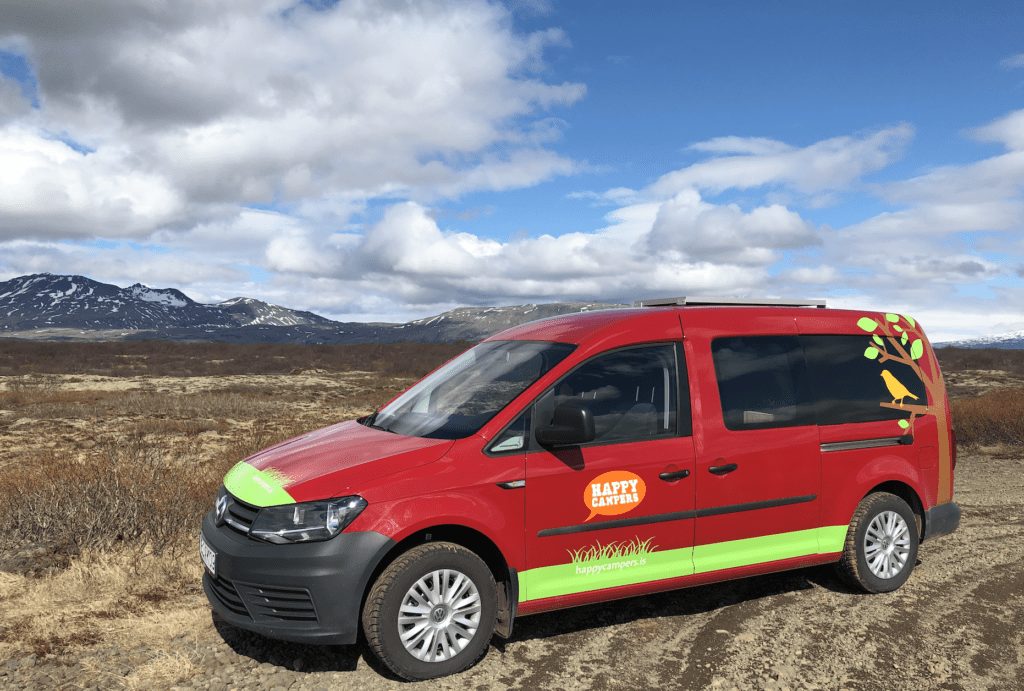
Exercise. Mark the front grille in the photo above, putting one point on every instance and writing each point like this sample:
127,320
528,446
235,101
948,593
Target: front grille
239,516
227,595
274,603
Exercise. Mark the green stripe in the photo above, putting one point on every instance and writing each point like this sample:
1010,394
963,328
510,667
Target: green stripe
832,538
567,579
257,487
757,550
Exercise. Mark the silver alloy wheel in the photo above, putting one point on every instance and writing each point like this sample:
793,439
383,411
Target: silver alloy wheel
439,616
887,544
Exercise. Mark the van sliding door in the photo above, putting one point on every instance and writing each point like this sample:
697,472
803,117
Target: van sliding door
758,459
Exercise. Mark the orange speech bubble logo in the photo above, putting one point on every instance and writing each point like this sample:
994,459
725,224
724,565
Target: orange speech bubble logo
614,492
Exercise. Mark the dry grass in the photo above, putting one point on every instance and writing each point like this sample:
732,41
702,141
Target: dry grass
994,417
101,595
165,358
983,359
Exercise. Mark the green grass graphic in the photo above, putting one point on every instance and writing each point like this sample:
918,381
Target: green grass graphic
624,549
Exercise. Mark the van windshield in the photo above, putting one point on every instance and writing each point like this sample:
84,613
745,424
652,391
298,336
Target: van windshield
459,398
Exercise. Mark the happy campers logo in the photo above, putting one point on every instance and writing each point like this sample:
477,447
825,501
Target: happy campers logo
613,493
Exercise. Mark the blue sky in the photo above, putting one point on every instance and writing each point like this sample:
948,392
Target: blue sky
377,160
660,79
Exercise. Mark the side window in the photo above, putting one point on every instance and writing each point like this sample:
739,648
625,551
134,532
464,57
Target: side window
632,393
847,386
762,382
515,437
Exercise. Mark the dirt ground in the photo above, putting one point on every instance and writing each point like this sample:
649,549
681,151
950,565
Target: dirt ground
123,617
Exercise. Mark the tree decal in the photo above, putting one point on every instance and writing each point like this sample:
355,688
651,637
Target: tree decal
898,338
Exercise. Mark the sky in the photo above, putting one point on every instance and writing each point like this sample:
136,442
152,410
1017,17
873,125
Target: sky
384,160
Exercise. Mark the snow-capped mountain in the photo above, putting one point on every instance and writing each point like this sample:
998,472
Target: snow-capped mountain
55,306
48,301
471,323
250,312
1014,340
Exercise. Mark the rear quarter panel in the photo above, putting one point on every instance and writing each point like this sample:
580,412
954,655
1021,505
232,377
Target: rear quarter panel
847,476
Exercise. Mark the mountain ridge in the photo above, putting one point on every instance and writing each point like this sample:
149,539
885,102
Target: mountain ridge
65,307
1011,340
48,306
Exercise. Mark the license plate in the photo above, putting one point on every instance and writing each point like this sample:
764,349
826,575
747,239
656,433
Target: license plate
208,556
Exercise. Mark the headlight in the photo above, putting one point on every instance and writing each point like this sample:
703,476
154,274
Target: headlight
307,522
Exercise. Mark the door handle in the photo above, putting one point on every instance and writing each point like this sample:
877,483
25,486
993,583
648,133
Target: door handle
722,469
674,475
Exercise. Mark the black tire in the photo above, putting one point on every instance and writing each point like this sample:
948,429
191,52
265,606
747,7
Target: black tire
853,567
380,613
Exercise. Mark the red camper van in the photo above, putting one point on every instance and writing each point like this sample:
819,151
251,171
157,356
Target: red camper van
588,458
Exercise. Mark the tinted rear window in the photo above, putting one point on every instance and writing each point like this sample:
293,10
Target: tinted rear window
848,386
762,382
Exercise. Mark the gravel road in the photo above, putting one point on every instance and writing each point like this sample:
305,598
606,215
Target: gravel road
958,623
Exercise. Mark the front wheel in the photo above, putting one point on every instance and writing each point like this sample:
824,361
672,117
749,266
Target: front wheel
881,544
431,612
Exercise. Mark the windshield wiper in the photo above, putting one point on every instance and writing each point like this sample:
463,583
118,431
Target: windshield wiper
371,421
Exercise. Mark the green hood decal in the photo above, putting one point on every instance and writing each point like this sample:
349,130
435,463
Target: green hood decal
257,487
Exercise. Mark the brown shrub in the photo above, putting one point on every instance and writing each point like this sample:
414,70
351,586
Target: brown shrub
169,358
126,494
199,405
56,644
184,412
1002,359
46,402
995,417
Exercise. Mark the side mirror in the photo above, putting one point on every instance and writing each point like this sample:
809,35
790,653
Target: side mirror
571,424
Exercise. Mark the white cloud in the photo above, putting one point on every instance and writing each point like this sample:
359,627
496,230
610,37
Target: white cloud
937,245
820,275
616,196
413,258
754,146
746,163
702,231
295,251
1013,62
949,268
122,264
49,189
1007,130
197,107
941,320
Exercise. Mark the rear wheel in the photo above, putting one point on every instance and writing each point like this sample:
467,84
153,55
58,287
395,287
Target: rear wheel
881,544
431,612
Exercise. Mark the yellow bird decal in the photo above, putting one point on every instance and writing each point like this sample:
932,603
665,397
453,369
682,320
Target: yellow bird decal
896,388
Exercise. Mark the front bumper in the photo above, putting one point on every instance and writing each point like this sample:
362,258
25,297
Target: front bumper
941,520
306,592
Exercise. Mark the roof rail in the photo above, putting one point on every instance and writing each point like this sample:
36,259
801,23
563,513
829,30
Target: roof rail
767,302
